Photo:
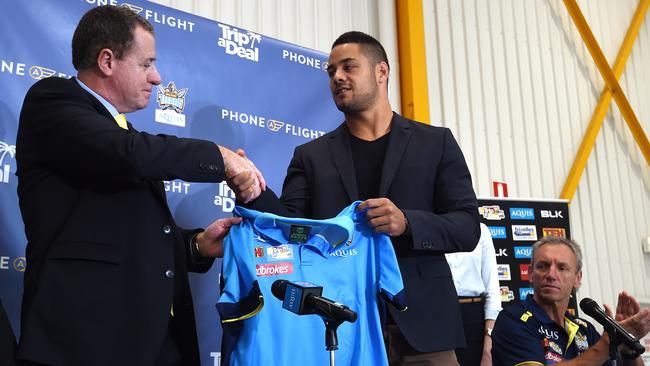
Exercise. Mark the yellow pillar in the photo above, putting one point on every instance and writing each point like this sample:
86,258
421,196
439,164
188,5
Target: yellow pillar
412,60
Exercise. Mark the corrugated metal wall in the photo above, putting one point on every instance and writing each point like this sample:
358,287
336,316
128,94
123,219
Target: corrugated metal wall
515,83
517,86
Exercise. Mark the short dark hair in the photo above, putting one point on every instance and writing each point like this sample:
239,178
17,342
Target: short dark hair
371,47
102,27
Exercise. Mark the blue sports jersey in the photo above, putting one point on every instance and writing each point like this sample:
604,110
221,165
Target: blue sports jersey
343,255
524,333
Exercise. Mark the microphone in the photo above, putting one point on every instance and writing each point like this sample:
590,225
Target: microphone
304,298
591,308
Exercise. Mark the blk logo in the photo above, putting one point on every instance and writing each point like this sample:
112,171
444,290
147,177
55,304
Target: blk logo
548,214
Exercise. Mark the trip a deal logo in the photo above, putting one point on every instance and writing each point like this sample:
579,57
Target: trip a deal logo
5,168
171,101
239,43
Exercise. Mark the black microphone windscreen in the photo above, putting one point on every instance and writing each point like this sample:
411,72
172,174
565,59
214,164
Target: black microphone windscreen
279,288
588,305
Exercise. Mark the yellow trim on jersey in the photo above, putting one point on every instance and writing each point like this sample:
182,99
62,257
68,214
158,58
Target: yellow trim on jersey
571,329
529,363
525,316
249,315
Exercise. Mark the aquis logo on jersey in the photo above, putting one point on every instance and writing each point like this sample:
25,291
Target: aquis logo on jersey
240,43
492,213
172,103
6,150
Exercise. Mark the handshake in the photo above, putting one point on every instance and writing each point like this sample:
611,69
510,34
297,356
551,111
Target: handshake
242,175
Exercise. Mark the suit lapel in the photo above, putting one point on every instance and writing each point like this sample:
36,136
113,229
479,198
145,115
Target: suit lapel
339,144
400,134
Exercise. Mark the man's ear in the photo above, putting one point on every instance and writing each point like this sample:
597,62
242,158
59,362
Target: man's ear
106,61
382,72
578,281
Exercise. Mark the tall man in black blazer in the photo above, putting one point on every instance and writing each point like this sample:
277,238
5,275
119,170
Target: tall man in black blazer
107,275
416,188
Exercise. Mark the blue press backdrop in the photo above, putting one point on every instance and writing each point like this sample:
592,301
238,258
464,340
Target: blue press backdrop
220,83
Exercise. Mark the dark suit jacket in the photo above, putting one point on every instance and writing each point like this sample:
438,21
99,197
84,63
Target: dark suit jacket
105,258
425,175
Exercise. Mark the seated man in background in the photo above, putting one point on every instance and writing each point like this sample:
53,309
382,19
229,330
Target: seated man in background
477,284
540,331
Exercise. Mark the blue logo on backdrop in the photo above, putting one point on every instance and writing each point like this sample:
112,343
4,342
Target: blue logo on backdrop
523,252
524,291
498,232
519,213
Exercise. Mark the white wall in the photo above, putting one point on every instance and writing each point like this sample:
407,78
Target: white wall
514,82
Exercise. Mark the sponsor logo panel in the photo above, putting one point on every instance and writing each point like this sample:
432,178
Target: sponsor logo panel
524,232
492,213
524,291
304,60
17,264
498,232
172,103
524,270
503,270
270,124
523,252
225,198
554,231
151,15
522,213
506,294
502,252
551,214
240,43
177,186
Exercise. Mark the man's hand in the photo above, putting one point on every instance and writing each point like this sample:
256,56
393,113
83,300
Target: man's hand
631,316
242,175
210,241
384,216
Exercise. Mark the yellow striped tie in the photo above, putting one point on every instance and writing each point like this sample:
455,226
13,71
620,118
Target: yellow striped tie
121,121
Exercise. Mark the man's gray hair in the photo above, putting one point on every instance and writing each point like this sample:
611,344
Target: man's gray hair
575,248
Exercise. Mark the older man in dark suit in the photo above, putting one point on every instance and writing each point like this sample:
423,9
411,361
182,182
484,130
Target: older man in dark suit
107,276
416,188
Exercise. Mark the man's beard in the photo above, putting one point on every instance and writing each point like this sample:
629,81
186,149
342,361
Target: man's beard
358,103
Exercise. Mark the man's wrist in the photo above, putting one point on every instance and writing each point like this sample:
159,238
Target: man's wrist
407,226
194,245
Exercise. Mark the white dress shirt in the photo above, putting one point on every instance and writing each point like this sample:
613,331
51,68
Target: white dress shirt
475,273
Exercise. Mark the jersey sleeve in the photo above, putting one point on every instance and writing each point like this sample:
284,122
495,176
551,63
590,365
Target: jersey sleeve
514,342
391,286
241,297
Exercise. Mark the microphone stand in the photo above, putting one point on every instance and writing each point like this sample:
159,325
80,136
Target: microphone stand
331,339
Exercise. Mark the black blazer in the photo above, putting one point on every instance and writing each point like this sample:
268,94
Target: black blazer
105,258
425,175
